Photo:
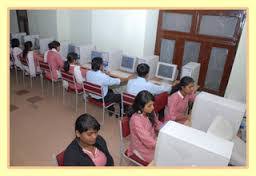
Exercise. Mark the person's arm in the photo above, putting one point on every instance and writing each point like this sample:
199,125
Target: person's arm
109,81
60,62
158,124
144,136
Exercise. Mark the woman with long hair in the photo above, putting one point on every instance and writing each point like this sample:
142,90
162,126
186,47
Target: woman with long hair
181,95
144,126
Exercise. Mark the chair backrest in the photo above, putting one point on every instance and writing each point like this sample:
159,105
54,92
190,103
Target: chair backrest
124,127
127,98
44,66
67,76
92,89
23,60
60,158
161,101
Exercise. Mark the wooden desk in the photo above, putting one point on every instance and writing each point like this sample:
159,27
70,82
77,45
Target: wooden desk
159,81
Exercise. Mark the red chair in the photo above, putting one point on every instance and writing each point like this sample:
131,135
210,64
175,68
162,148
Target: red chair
127,99
72,85
161,101
25,66
124,135
46,68
60,158
94,89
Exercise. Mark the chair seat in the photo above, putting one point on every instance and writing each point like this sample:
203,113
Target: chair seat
99,103
73,89
60,158
136,158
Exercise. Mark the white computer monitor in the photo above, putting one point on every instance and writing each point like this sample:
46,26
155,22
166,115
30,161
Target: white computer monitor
207,107
19,36
111,59
83,52
166,71
180,145
191,69
34,39
151,61
43,43
128,63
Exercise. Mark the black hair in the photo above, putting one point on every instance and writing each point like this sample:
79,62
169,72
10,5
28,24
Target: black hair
142,70
27,47
50,46
142,98
54,44
15,43
71,57
86,122
96,63
186,80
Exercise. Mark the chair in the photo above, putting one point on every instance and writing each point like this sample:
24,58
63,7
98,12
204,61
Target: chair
60,158
93,89
124,134
127,99
46,68
24,62
72,85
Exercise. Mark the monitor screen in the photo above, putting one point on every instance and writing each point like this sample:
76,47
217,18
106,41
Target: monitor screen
127,62
165,71
71,48
96,54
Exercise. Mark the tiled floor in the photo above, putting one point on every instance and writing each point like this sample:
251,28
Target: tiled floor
42,126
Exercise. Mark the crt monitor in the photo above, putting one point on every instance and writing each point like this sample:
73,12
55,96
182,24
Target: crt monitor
128,63
180,145
166,71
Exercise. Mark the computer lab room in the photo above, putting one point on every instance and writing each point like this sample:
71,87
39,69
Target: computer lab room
128,87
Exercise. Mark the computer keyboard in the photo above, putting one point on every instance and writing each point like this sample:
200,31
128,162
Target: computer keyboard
161,82
120,73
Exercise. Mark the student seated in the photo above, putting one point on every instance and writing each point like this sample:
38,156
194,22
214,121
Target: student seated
140,83
97,76
15,52
144,126
46,52
88,148
32,57
72,66
180,96
54,60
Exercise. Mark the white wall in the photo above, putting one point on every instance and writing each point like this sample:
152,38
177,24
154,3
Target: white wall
236,88
80,26
150,32
13,22
63,25
43,22
123,29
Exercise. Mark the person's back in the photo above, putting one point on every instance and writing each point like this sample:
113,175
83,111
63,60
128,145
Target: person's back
54,60
16,51
140,83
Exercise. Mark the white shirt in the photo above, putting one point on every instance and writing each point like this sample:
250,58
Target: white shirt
15,52
78,75
100,78
138,84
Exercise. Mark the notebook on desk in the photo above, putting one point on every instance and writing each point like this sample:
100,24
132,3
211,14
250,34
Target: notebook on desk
119,73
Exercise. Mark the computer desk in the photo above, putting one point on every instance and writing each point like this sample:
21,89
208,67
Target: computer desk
115,75
159,81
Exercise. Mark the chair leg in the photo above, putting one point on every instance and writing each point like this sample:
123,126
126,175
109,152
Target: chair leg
52,88
103,115
85,103
31,81
23,78
42,85
16,74
63,95
76,102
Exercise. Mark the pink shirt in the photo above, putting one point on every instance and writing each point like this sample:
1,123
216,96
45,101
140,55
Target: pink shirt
177,107
143,137
98,157
55,62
